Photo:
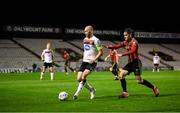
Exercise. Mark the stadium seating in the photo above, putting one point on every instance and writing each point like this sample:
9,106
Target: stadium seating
15,55
173,47
146,48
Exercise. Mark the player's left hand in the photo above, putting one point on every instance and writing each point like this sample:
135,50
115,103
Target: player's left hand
105,59
119,55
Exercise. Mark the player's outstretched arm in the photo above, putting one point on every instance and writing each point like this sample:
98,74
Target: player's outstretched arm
42,56
100,52
121,44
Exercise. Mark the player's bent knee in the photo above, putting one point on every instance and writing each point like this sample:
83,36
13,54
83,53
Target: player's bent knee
79,79
43,71
122,74
83,79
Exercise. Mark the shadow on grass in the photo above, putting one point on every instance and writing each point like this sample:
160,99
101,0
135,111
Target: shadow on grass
135,96
107,97
116,97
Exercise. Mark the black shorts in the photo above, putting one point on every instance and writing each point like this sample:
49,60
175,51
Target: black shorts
67,63
156,65
48,65
115,67
86,65
135,66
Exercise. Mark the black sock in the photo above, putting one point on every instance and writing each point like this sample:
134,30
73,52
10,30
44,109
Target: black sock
123,84
114,73
148,84
84,81
66,69
71,69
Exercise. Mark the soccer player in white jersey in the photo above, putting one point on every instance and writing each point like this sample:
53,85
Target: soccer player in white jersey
156,61
92,51
47,57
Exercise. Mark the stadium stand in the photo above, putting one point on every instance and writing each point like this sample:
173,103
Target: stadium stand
40,44
23,52
172,47
37,46
13,56
146,48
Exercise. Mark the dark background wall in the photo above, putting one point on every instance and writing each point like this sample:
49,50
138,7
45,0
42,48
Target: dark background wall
152,16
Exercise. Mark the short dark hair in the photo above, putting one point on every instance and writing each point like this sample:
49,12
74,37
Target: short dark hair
129,31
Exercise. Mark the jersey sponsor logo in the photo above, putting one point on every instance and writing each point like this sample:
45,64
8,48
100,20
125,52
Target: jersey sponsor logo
47,51
90,41
86,41
86,47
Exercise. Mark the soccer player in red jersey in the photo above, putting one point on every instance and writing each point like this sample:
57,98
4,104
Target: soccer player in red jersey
134,63
66,57
114,60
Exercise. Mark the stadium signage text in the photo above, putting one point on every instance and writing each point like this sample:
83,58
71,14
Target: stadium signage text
156,35
98,32
32,29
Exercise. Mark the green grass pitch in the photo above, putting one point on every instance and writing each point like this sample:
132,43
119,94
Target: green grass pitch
26,93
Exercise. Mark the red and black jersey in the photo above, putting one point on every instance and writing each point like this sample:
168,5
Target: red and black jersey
113,55
66,56
131,49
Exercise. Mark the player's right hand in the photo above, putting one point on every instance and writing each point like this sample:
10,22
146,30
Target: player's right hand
105,59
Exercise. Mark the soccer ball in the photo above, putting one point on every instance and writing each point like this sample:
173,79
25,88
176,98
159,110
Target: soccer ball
63,95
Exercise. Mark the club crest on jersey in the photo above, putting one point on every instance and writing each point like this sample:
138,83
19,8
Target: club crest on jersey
86,47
